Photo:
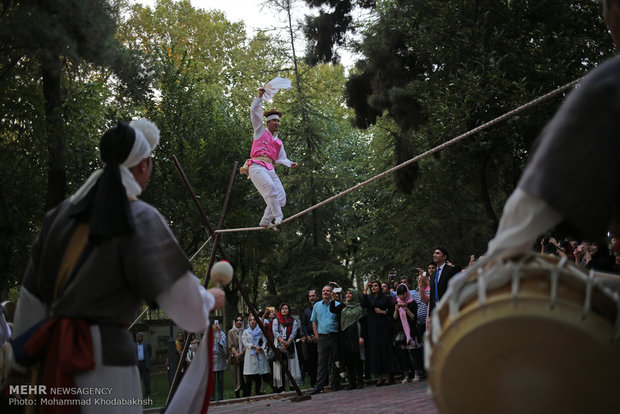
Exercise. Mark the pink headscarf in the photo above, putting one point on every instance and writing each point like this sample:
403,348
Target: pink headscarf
402,313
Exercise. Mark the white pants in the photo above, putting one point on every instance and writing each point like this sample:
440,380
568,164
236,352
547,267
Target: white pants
120,381
270,187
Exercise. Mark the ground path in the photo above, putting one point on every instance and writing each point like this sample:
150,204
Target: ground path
394,399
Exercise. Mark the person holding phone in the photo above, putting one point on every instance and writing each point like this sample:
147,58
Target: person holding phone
405,315
353,331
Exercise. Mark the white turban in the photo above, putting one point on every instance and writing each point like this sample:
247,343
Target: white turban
147,138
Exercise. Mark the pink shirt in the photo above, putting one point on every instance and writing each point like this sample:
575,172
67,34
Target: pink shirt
265,144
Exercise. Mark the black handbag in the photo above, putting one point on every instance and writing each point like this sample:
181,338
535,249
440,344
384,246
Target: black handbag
271,354
290,351
400,339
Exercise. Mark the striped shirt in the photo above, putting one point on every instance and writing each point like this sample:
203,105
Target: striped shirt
421,306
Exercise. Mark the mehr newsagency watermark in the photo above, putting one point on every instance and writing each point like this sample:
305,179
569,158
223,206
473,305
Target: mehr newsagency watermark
75,396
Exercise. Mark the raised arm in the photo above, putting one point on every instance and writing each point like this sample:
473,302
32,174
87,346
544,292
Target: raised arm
333,308
256,115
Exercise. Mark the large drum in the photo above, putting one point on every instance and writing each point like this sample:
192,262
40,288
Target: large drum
534,335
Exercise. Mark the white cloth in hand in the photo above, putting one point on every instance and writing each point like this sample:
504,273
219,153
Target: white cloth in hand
274,86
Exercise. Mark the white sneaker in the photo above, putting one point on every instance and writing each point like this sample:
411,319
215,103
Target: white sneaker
264,223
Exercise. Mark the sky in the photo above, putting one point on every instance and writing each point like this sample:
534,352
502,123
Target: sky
255,16
251,12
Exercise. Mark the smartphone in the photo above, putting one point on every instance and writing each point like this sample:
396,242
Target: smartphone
337,290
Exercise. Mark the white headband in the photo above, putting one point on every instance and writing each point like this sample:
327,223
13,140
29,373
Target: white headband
147,138
272,116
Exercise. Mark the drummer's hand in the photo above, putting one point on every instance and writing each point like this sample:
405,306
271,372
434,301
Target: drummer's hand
219,296
261,92
294,165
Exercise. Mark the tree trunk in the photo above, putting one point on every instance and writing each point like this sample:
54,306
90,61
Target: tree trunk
56,174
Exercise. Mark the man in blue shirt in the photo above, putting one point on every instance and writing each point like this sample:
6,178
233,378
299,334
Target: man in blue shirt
326,328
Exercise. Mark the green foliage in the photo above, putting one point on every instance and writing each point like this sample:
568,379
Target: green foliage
431,70
330,27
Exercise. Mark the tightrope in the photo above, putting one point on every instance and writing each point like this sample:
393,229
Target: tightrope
440,147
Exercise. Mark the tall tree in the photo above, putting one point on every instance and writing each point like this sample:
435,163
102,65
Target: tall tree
57,34
434,69
208,71
328,30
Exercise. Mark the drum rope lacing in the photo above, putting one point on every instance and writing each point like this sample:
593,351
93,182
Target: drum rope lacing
462,288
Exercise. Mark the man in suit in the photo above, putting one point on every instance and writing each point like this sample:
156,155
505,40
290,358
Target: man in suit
310,342
439,281
144,352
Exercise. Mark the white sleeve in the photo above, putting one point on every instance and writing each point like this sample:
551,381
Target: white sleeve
29,311
256,116
246,341
5,330
282,159
275,329
294,331
523,219
187,303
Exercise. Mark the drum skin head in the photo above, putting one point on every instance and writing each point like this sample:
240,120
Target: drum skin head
525,356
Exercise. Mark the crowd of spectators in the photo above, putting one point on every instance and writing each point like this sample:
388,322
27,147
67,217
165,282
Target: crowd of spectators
588,254
347,337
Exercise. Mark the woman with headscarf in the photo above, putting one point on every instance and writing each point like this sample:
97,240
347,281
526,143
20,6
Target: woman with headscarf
284,333
235,355
380,309
599,258
353,331
405,315
255,365
174,356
